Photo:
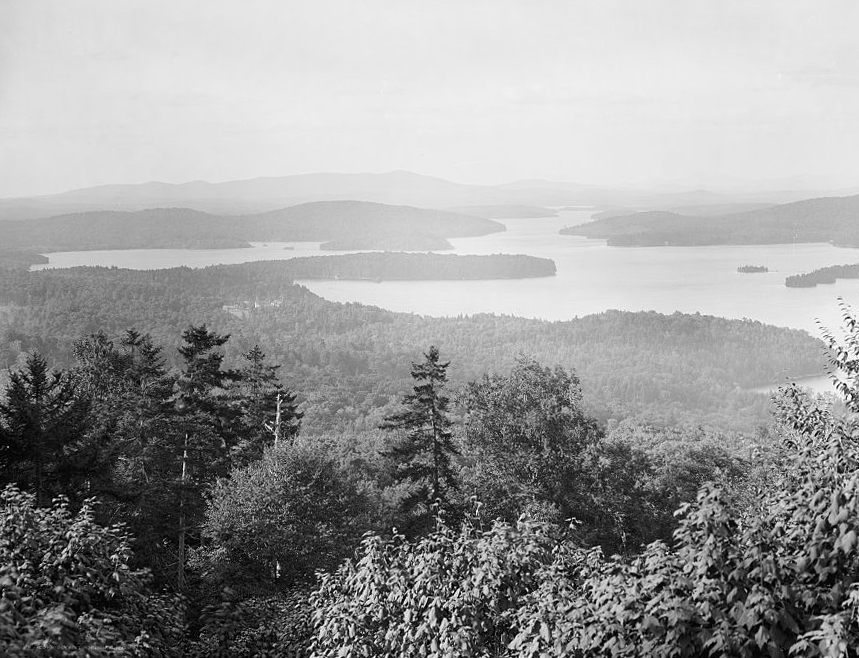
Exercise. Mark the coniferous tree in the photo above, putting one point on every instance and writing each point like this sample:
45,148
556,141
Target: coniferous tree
205,414
130,396
42,421
425,447
133,420
207,409
269,412
149,439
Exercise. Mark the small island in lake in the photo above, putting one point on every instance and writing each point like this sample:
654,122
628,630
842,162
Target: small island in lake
752,269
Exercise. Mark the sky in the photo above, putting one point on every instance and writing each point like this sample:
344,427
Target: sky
716,94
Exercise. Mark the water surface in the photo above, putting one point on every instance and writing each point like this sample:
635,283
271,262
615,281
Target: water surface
591,278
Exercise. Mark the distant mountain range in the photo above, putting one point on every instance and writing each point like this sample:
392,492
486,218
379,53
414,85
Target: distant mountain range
337,224
828,219
396,187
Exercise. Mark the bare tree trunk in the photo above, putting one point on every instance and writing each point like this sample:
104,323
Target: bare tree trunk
276,440
435,450
180,576
277,420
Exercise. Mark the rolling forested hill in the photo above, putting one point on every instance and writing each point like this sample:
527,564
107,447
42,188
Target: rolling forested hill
13,258
349,362
341,224
828,219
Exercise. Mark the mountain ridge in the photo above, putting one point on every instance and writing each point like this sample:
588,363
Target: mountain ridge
397,187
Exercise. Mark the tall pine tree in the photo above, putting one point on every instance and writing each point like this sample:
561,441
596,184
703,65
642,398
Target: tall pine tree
424,447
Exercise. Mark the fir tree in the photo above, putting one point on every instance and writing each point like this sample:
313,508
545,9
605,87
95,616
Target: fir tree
133,421
425,447
206,406
205,415
269,412
42,422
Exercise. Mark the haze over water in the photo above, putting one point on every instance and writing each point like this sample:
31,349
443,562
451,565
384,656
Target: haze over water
591,277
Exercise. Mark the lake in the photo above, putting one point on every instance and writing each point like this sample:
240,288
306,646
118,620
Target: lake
591,278
818,384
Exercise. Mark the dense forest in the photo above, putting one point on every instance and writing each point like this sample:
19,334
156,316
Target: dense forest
822,275
828,219
347,360
398,266
151,510
336,224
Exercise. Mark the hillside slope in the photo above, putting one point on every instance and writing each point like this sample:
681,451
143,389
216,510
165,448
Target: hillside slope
350,361
351,224
828,219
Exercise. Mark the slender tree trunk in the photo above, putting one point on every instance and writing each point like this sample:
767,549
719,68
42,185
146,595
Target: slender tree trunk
277,420
180,576
40,484
276,440
435,478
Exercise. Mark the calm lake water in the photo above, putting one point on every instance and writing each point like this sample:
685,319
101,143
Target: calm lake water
819,384
591,277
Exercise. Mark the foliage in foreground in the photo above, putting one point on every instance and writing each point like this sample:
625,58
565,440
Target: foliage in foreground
778,579
66,588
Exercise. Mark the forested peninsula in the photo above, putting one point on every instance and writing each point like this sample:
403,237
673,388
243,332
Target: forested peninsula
823,275
335,224
833,220
15,258
398,266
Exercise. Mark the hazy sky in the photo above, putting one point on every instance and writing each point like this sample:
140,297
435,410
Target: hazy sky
629,92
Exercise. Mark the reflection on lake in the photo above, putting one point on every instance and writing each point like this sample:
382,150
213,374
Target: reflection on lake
591,277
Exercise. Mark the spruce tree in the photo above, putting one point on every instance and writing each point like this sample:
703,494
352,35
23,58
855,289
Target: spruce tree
207,407
133,420
205,415
425,447
269,412
42,421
